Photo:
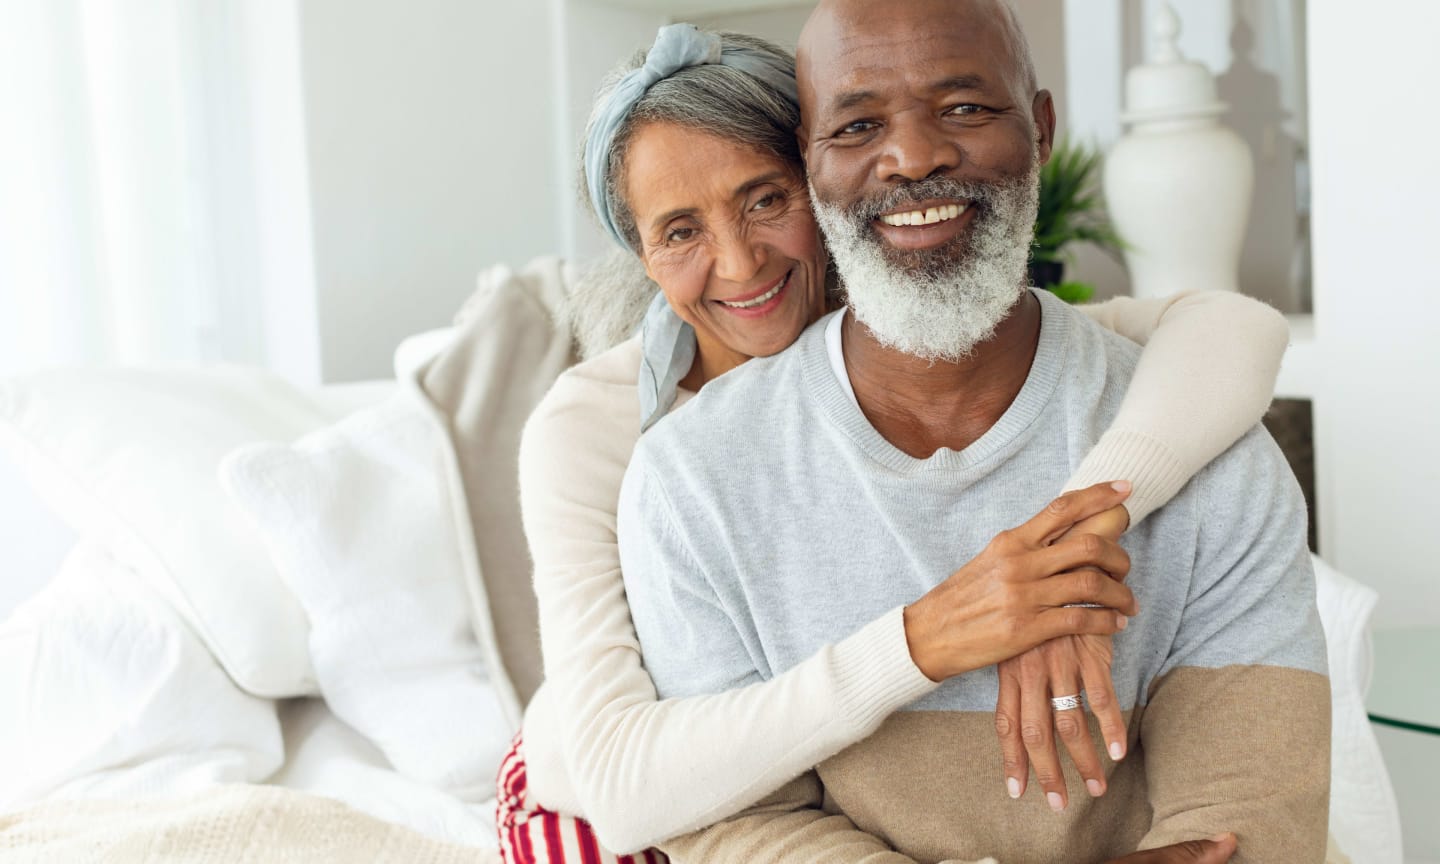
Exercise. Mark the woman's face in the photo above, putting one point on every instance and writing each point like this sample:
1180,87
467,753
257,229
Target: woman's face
728,234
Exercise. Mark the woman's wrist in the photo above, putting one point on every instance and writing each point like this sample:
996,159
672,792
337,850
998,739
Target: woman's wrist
919,638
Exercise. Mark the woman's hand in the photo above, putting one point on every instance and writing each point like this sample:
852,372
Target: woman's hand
1015,594
1061,667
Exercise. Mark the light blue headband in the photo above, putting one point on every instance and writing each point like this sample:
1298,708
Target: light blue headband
677,46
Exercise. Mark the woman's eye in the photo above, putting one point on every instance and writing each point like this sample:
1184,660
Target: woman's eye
766,202
679,235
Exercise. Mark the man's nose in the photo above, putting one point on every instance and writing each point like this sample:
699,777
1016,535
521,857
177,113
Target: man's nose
738,259
915,148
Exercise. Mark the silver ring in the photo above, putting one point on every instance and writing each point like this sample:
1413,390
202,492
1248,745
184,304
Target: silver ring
1083,606
1065,703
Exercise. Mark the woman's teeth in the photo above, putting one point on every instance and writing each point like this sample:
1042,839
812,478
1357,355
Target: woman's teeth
763,298
925,217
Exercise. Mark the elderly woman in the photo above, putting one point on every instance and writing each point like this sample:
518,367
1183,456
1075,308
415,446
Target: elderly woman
691,164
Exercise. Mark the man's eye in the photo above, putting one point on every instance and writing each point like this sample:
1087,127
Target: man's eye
967,108
859,127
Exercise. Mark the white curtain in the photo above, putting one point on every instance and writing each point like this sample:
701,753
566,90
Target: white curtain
102,238
140,145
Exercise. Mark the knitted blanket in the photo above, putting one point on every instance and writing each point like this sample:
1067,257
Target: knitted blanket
235,824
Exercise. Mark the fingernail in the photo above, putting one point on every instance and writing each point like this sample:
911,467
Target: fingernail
1219,838
1121,485
1116,751
1014,786
1056,802
1094,787
1122,622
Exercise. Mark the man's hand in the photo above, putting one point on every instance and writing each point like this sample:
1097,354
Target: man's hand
1013,595
1216,850
1027,724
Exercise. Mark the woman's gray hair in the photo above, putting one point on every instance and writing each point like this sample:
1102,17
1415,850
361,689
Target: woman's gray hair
713,98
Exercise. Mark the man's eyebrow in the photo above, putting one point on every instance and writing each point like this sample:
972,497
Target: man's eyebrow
851,99
740,192
958,82
848,100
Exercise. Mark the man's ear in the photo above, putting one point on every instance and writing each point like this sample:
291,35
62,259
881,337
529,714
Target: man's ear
802,138
1043,110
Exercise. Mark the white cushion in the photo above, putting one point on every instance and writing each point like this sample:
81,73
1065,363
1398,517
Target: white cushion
128,458
1364,816
415,351
325,756
108,693
363,519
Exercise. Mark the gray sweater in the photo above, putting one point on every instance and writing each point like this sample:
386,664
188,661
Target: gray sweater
767,518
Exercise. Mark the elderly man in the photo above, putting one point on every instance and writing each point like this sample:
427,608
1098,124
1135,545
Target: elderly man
898,437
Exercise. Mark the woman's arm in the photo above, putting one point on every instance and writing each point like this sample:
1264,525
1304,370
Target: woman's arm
706,757
1206,376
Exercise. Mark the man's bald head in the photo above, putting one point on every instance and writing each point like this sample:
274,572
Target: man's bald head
834,22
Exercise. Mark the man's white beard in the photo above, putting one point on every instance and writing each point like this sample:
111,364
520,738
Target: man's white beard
937,304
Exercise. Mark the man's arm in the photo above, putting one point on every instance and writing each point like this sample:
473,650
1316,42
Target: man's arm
1236,733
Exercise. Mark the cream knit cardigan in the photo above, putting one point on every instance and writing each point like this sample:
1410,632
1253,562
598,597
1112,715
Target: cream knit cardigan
597,741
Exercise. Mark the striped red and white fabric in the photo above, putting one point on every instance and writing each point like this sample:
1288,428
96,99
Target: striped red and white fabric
530,834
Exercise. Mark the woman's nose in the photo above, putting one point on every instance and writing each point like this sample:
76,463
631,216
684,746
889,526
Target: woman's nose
738,259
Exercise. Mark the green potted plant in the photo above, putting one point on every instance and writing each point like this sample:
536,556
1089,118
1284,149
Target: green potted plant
1072,210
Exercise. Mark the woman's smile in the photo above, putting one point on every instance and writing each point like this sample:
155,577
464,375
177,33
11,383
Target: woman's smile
760,303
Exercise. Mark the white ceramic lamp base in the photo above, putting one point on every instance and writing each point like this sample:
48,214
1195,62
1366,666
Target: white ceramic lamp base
1178,186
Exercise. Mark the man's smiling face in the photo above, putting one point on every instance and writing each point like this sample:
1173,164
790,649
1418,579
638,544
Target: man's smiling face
894,93
923,133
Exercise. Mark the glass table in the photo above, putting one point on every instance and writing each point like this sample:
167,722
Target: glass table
1405,687
1404,706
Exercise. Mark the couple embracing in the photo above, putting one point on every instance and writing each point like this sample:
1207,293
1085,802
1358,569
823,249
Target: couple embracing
806,590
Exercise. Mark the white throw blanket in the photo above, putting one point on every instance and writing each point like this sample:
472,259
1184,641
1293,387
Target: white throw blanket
233,824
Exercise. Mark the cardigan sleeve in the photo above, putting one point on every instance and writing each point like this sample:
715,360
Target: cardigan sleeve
1206,376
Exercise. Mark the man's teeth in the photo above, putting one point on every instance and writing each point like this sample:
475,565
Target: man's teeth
925,217
763,298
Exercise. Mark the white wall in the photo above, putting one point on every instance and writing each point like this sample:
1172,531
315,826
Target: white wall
781,25
1377,299
429,129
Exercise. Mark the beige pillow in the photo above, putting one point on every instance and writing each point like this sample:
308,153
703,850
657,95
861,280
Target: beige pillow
514,341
